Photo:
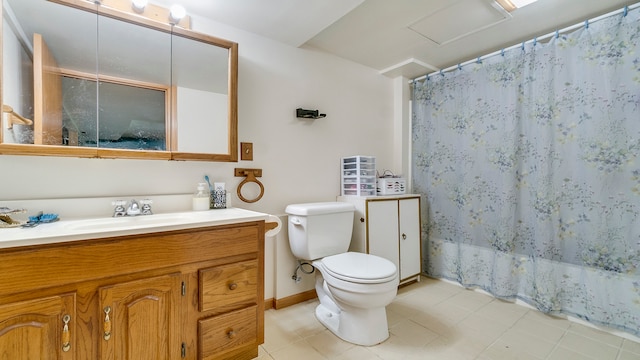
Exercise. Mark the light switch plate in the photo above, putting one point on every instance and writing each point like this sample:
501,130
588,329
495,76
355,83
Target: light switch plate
246,151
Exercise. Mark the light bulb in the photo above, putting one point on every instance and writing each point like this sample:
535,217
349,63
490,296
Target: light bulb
138,5
177,13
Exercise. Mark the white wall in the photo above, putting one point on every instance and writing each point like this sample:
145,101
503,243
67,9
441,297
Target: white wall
300,158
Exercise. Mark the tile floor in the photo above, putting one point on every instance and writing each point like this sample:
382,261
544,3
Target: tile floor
434,319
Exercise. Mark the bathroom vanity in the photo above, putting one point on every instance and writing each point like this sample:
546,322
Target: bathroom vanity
187,288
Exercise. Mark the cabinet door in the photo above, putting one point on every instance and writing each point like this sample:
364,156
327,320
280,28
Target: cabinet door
35,329
382,230
140,319
409,237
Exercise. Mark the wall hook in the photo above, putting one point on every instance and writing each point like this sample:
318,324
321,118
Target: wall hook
251,175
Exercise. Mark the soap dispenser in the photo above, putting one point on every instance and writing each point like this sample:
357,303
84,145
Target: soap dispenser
201,198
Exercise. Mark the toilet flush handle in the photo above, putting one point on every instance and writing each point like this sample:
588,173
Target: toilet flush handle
296,221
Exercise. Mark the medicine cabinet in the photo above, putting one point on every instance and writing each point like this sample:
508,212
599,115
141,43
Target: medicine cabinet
83,79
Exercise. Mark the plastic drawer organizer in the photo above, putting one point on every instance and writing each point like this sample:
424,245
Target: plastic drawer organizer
359,176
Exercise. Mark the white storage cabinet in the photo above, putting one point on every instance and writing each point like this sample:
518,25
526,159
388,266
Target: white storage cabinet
389,226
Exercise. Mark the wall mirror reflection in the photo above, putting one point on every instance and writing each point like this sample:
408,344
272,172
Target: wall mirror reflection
89,80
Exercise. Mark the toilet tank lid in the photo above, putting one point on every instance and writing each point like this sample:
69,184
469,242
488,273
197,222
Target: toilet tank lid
319,208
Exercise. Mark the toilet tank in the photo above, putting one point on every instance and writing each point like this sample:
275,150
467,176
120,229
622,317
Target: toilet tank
317,230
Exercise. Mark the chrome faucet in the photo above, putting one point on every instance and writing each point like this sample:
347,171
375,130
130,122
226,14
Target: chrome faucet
134,208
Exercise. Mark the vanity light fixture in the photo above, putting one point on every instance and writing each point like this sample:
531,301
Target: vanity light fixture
176,12
176,15
139,5
511,5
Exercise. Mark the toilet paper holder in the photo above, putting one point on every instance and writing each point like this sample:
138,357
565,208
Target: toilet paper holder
272,226
250,176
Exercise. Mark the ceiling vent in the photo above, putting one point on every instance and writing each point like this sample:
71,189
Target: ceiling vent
468,17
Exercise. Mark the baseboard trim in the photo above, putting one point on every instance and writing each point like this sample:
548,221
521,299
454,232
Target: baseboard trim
293,299
269,304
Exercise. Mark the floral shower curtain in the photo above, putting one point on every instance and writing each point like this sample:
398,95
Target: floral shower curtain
529,162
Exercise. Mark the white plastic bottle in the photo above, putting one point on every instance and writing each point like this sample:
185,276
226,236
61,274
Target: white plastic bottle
201,198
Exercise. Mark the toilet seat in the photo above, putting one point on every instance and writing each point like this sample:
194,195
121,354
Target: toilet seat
360,268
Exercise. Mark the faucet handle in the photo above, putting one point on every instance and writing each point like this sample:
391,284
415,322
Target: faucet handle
146,206
119,208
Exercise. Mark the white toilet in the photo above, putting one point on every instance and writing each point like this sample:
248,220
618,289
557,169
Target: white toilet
353,288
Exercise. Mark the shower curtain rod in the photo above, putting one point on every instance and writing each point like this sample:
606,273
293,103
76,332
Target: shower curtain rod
556,33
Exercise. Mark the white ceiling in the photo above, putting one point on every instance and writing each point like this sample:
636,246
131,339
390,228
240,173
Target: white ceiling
399,37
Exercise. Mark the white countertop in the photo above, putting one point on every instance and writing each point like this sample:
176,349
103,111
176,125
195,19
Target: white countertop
92,228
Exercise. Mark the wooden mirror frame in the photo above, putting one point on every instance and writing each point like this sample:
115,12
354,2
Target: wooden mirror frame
172,154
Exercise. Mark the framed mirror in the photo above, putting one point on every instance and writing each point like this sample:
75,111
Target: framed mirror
88,80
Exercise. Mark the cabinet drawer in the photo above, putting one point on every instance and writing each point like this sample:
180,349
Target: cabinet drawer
223,333
229,284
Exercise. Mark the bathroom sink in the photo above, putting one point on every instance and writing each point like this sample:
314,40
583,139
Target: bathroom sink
106,224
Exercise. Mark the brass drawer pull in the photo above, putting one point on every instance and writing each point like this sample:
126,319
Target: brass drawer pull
106,326
231,334
233,286
66,336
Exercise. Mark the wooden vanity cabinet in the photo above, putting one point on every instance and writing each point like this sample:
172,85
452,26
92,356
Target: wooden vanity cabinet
185,294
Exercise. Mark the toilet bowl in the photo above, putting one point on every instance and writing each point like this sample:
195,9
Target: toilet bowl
352,303
353,288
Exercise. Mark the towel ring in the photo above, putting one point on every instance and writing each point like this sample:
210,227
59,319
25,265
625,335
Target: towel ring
250,178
